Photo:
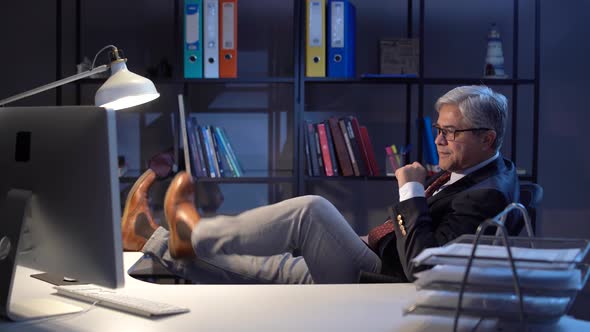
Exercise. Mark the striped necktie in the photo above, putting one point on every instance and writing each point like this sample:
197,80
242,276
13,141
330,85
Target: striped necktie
434,186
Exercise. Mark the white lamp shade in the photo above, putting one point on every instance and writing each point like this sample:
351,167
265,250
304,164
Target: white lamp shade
124,89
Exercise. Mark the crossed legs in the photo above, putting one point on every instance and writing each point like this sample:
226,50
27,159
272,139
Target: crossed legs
261,243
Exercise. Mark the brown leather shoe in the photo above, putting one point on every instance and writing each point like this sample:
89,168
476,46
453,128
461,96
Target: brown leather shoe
181,215
137,222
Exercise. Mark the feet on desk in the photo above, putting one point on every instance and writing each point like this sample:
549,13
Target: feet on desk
137,222
181,215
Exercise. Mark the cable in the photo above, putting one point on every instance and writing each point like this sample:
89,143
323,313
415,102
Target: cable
97,53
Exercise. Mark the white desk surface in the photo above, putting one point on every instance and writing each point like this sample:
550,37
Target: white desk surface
362,307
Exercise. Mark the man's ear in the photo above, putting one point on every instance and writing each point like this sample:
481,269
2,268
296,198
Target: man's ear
489,138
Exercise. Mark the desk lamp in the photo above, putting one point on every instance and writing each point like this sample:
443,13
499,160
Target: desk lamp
123,89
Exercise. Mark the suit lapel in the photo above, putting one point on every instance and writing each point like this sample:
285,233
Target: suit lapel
469,180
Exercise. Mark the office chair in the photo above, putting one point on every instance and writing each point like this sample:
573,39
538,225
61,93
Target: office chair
531,195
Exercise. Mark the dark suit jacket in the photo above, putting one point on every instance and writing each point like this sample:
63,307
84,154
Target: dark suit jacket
457,209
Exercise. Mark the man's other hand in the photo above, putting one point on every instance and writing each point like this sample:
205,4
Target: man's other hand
413,172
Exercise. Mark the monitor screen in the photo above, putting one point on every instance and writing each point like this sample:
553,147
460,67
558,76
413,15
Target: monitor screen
66,156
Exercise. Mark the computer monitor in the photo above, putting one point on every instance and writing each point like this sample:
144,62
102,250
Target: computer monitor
66,156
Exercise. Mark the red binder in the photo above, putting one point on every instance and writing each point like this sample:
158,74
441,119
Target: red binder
228,38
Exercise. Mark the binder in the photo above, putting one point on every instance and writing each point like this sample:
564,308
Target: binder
341,39
193,46
228,38
315,39
211,39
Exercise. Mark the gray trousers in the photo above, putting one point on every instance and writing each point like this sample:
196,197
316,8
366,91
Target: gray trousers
299,240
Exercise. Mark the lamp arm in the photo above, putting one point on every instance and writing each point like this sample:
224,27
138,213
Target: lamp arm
55,84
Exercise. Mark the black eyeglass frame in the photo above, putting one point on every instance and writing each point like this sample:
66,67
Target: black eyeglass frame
445,132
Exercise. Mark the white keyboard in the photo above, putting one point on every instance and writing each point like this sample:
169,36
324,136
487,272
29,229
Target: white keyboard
110,298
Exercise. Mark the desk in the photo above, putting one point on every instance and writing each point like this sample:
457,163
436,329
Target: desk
362,307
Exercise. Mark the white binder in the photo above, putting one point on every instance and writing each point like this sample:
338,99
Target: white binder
211,38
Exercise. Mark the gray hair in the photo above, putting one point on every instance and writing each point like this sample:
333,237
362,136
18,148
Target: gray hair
481,107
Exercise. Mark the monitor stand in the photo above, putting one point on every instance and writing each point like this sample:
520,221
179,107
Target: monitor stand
12,214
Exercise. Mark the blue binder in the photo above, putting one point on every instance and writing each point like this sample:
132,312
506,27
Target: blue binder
193,39
341,39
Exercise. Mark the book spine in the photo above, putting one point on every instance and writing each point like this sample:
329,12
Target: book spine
370,150
192,142
201,167
355,146
213,152
220,163
312,148
209,152
340,145
232,153
361,146
331,148
353,161
325,150
318,150
307,153
230,171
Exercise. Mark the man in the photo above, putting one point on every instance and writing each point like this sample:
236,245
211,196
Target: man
477,183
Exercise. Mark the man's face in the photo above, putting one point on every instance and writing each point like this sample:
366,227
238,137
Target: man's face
468,149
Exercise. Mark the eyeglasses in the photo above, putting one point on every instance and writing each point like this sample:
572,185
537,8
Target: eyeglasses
450,134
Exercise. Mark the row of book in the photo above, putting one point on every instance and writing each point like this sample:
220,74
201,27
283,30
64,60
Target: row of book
339,147
330,39
211,152
210,38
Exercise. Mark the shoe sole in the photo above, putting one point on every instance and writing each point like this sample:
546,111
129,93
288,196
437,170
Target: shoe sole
136,185
182,250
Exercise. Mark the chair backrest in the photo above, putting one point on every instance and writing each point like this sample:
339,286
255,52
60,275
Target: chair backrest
531,195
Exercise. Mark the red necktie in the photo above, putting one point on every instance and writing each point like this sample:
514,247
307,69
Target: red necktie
434,186
379,232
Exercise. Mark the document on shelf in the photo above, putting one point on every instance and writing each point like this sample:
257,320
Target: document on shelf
558,280
501,304
458,254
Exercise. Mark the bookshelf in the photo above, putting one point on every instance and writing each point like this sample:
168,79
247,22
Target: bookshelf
276,96
414,98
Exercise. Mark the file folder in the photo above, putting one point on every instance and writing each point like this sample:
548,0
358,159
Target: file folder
315,39
211,39
228,38
193,47
341,39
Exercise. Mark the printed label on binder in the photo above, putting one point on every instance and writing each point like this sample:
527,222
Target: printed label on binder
228,26
315,24
337,37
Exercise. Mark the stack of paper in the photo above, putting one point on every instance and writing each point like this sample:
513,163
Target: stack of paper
549,276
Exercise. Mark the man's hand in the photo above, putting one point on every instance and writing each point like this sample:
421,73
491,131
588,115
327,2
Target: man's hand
412,172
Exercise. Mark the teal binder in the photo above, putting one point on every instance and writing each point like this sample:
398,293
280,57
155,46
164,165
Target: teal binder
193,39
